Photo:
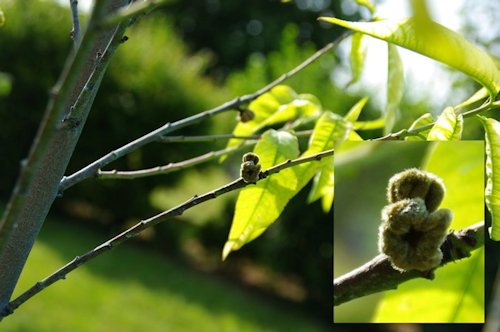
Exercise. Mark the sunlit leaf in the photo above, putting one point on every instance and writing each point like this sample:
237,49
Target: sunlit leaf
457,292
357,56
492,192
395,87
323,186
440,43
420,122
448,127
2,18
263,107
369,125
355,111
259,205
477,96
354,136
297,108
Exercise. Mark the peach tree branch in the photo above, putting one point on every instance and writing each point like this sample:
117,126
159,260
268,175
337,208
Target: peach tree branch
75,32
54,143
157,134
143,224
378,275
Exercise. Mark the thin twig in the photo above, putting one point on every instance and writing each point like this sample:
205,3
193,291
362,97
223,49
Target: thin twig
378,274
415,131
172,167
169,168
143,224
213,138
75,32
156,135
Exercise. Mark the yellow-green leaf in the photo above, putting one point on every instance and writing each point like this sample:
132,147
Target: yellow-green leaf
492,192
355,111
439,43
354,136
357,57
263,107
323,186
2,18
477,96
448,127
420,122
259,205
369,125
395,87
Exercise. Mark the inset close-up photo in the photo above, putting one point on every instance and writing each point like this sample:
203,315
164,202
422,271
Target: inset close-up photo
409,232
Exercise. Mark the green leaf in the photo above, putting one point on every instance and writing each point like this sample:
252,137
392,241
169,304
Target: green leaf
369,125
357,57
457,292
420,122
297,108
355,111
395,87
354,136
492,192
368,4
323,186
448,126
2,18
477,96
259,205
263,107
439,43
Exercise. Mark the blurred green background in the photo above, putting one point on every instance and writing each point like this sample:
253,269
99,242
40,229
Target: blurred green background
181,59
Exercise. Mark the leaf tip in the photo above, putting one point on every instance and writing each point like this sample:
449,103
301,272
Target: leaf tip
228,247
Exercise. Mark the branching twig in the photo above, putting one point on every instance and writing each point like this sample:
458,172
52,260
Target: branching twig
213,138
143,224
156,135
415,131
378,274
75,32
171,167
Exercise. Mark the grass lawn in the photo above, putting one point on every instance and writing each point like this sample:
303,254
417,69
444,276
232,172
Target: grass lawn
130,289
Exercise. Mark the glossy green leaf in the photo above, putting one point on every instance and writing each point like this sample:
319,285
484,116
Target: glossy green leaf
369,125
492,192
354,136
297,108
477,96
355,111
448,127
456,295
368,4
323,186
259,205
439,43
357,56
263,107
395,87
420,122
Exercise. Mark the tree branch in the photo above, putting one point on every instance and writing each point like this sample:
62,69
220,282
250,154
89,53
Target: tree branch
378,274
41,172
136,9
143,224
157,134
213,138
75,32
